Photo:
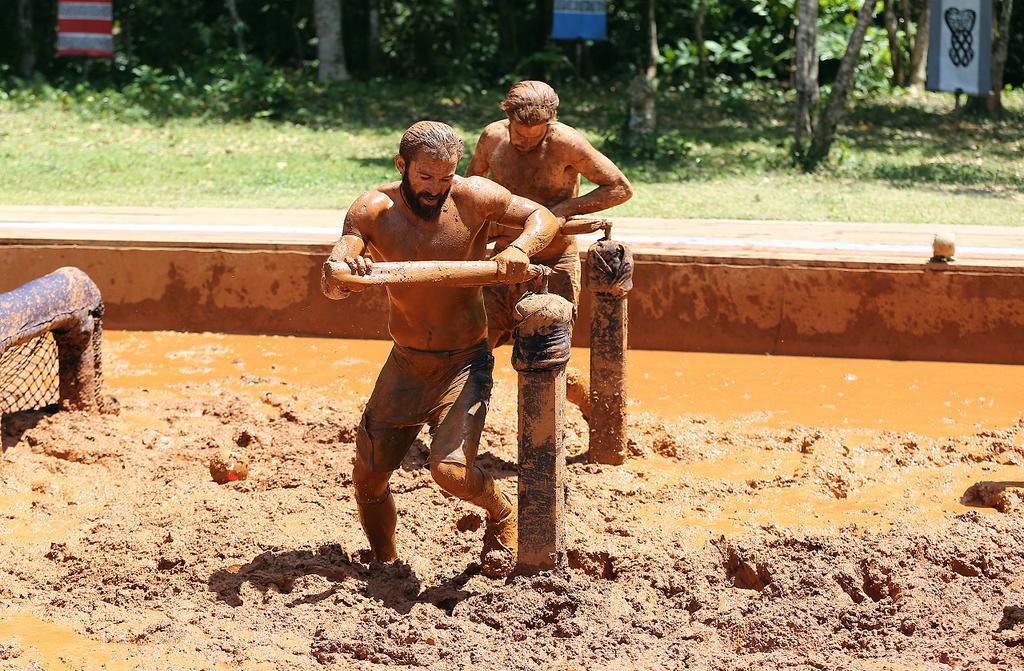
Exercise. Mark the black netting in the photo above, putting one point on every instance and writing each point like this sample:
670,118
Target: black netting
50,347
29,375
97,354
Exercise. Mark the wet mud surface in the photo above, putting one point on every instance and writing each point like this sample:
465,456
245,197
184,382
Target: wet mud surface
720,543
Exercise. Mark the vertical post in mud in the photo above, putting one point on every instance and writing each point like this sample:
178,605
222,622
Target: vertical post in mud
67,304
78,357
542,333
610,276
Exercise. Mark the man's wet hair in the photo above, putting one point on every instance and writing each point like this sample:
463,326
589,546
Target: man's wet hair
433,138
531,103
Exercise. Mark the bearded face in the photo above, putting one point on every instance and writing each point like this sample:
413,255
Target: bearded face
422,203
426,182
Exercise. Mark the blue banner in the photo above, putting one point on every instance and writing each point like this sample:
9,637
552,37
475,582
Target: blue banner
580,19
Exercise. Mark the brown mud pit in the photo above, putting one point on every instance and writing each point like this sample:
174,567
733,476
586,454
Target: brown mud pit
730,539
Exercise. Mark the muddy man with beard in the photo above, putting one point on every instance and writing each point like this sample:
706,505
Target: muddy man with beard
439,370
534,155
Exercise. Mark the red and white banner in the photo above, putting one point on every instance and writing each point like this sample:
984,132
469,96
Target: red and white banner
85,28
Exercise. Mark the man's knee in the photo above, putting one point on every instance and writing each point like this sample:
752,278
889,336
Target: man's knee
456,479
371,486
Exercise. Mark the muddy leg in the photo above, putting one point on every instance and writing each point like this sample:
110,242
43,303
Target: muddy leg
377,511
477,487
577,390
496,303
495,338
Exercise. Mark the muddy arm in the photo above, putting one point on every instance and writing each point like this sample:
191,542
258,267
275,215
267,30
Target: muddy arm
582,225
573,226
539,227
612,186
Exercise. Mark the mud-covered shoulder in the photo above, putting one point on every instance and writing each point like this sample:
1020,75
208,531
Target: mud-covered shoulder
367,209
490,137
494,131
485,198
562,136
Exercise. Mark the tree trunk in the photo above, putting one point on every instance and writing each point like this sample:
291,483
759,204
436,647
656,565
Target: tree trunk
999,53
905,18
652,42
643,119
702,53
27,62
330,49
895,49
906,11
806,71
237,24
825,130
374,55
508,42
993,104
642,111
919,52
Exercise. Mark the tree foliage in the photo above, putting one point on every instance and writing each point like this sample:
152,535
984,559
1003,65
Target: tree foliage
191,57
472,41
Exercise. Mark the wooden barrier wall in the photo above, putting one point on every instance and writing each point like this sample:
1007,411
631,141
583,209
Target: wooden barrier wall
679,302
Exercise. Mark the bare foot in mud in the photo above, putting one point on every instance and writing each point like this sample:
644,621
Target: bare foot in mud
501,544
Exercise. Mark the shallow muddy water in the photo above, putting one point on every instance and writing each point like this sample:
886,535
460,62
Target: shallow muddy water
774,513
930,398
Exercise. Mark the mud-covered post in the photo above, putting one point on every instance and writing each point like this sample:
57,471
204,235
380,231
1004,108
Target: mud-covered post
542,332
67,304
610,276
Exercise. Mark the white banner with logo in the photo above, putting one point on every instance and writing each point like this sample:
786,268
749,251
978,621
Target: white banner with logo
960,46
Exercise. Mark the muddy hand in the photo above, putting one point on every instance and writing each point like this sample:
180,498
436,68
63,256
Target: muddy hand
360,265
331,288
513,264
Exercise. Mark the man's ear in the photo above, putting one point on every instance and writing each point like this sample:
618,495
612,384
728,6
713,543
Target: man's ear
400,164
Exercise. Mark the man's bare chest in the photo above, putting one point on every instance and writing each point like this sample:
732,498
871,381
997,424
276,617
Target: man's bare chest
451,237
538,175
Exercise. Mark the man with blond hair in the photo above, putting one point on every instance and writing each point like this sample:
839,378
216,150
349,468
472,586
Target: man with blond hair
439,370
534,155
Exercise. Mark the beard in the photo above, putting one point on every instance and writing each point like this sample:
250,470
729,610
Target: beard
418,207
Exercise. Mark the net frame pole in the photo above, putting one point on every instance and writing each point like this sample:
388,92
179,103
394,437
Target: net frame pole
67,304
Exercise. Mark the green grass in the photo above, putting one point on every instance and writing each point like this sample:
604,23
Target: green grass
897,159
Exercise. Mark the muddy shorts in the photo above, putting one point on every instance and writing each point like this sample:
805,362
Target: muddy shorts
500,300
449,391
